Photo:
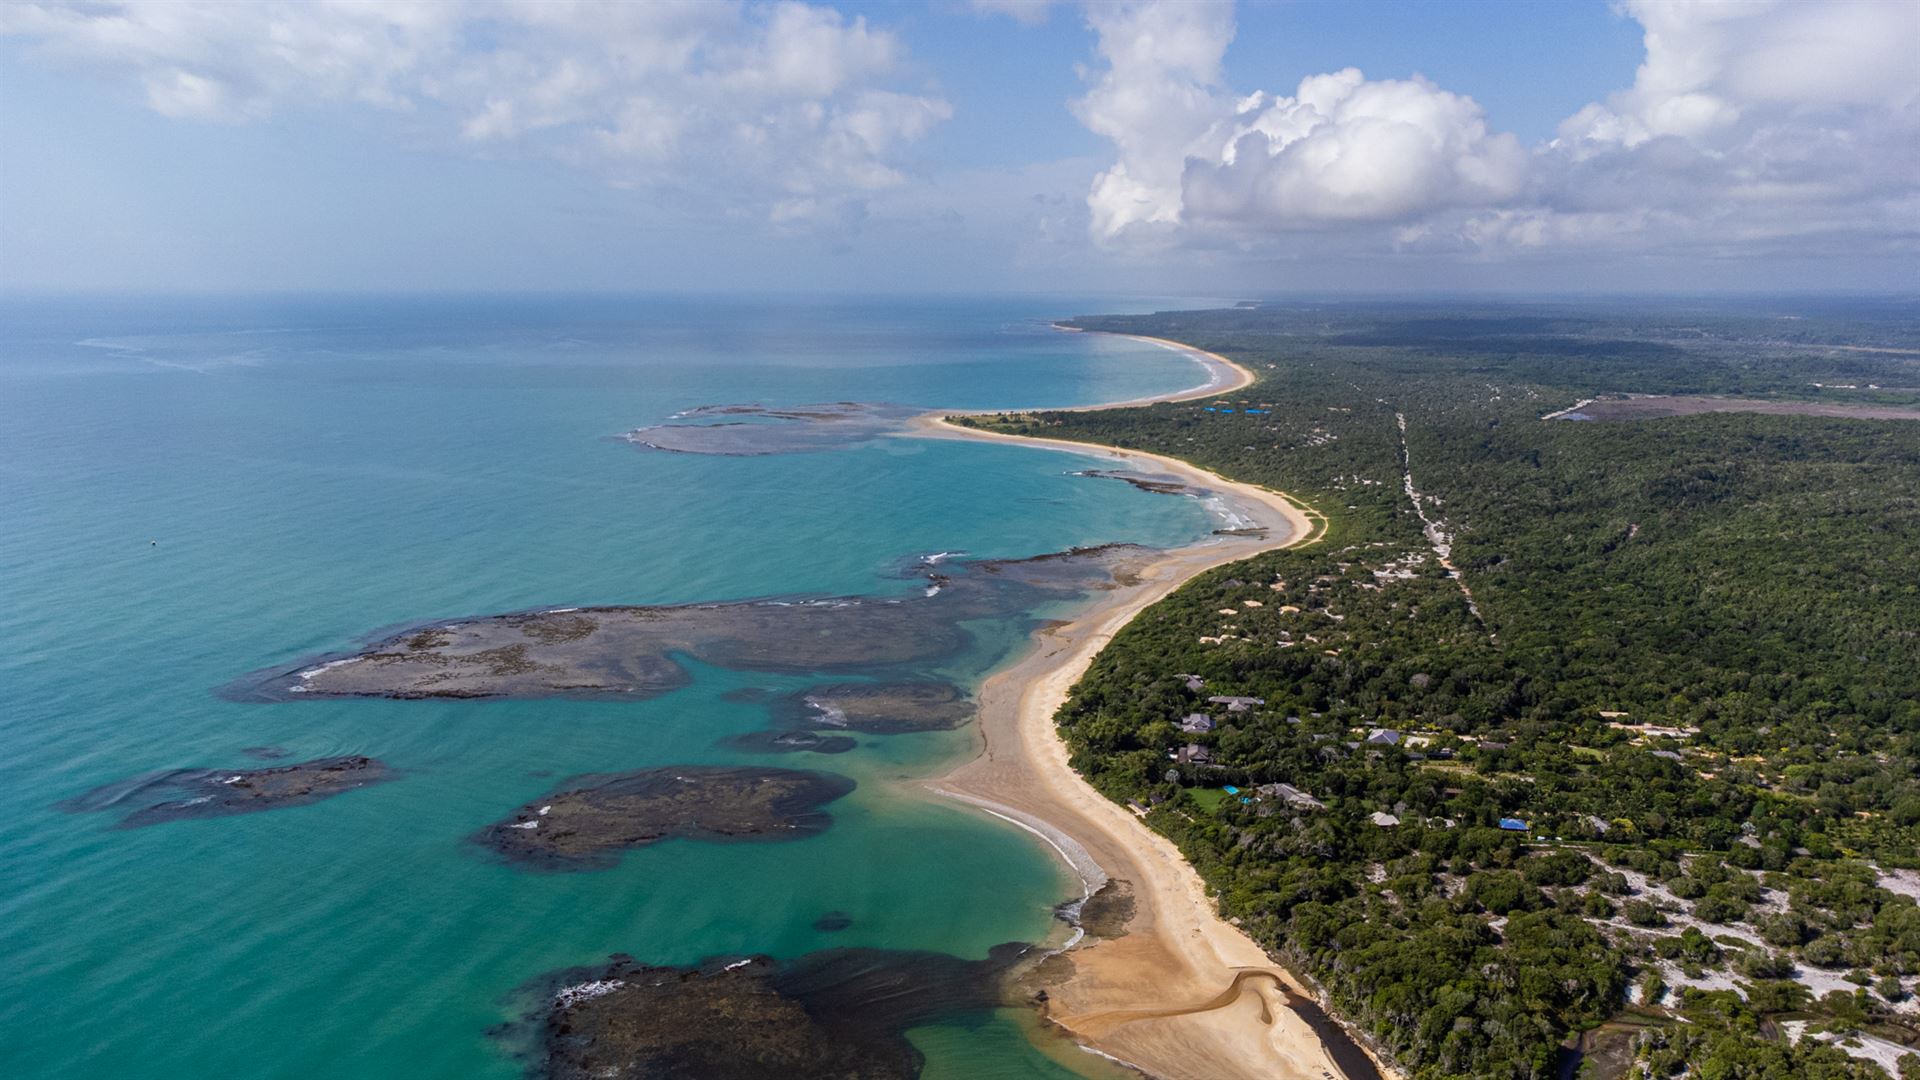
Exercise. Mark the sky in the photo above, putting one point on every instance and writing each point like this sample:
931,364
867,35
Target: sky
1188,147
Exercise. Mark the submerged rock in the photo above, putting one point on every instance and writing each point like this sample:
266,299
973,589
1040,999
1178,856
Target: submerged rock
811,719
588,825
887,708
1107,912
177,794
792,742
833,922
634,651
839,1014
1155,483
753,430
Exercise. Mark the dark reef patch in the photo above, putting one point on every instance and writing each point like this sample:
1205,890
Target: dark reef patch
631,652
1107,912
888,708
791,742
839,1014
1155,483
595,818
757,430
181,794
833,922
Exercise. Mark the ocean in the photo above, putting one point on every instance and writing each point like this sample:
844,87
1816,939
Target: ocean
193,490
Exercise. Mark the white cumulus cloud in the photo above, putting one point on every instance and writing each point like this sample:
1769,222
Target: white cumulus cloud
791,107
1750,126
1346,149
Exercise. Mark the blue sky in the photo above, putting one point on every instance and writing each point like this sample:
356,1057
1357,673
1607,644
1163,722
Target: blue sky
998,145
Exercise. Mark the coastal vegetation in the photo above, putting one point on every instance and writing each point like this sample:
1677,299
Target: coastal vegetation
1564,738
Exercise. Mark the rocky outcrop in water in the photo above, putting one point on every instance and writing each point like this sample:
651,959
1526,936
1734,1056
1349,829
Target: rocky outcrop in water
888,708
791,742
631,651
595,818
180,794
834,1015
1154,483
754,430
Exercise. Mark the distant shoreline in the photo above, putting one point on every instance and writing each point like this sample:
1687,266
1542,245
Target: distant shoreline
1224,376
1181,993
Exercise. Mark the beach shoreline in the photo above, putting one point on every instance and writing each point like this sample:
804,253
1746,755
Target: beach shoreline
1224,376
1181,993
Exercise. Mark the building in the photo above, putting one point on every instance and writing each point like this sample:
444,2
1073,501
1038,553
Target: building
1513,824
1383,737
1383,819
1194,682
1193,754
1197,723
1237,704
1290,795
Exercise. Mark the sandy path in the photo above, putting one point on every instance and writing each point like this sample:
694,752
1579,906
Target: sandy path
1182,993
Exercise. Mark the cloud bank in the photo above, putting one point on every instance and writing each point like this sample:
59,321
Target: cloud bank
792,109
1751,127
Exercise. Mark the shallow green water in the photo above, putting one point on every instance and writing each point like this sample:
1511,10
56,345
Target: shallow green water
313,471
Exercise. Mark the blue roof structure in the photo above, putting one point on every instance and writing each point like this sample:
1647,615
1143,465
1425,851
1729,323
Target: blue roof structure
1513,824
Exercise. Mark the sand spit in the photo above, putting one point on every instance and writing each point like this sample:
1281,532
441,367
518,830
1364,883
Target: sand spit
1181,993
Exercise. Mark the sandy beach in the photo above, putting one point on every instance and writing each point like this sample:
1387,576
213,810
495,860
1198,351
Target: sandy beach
1181,993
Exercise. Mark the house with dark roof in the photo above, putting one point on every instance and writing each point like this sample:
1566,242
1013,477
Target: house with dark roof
1237,704
1193,754
1197,723
1290,795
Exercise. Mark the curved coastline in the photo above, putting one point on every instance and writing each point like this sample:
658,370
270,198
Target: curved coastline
1182,993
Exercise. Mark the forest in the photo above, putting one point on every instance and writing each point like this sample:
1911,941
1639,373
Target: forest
1633,788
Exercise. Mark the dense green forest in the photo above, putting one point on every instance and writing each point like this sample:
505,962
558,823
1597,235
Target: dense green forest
1679,657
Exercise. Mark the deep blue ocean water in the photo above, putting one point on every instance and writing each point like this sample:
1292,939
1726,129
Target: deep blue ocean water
191,490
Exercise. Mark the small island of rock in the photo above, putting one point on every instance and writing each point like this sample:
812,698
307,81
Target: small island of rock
840,1014
178,794
589,823
884,708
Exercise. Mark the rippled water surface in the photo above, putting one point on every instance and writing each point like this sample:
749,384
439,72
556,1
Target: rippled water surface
194,490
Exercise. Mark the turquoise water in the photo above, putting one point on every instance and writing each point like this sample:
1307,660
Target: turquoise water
193,490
